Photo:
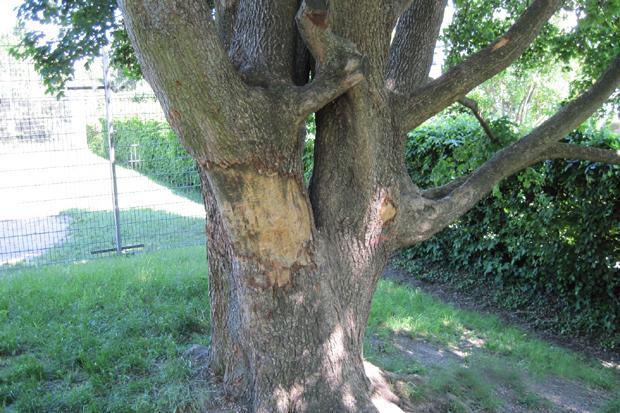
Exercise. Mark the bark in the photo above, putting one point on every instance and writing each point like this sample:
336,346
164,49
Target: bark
292,269
473,106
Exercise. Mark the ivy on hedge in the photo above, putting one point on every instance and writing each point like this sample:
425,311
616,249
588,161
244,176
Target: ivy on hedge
546,240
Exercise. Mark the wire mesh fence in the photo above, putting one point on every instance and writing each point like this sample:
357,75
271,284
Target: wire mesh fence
57,197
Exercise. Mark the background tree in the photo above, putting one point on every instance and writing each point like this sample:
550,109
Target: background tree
293,268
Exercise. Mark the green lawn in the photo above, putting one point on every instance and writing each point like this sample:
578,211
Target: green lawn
105,335
108,335
94,230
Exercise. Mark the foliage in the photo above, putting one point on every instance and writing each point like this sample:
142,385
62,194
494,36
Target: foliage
83,30
308,155
86,27
153,149
526,97
548,237
590,45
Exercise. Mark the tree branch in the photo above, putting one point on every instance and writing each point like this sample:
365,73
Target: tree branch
580,153
182,58
458,197
411,53
428,100
225,14
339,65
439,192
473,106
399,7
557,151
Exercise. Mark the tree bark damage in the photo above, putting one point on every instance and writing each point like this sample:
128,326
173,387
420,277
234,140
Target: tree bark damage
293,269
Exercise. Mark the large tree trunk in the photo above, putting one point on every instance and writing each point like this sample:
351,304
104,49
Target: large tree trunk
289,338
293,270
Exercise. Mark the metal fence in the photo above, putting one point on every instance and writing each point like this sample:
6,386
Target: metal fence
94,173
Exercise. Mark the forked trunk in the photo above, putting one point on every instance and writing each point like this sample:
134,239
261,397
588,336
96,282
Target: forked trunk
292,271
288,323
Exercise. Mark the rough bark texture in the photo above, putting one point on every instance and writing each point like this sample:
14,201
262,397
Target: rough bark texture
293,269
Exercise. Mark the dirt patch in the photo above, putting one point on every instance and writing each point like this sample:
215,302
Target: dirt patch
520,393
477,302
517,391
567,396
427,354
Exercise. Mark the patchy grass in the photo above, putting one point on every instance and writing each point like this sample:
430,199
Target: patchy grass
103,336
108,336
613,406
399,309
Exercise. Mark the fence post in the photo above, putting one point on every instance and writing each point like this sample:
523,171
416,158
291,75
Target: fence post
111,150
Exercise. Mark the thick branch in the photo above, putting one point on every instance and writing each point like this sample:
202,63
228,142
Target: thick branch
439,192
225,14
539,144
580,153
473,106
182,58
399,7
413,47
557,151
433,97
339,65
263,40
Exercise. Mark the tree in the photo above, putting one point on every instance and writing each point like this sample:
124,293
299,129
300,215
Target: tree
293,268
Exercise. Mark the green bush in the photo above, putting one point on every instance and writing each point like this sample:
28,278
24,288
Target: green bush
151,148
546,240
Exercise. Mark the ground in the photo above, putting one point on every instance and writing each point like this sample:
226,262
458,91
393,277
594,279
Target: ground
113,335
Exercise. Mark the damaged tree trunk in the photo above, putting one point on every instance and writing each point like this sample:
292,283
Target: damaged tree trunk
293,269
288,326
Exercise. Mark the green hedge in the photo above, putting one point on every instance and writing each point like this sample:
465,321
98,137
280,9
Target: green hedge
151,148
546,241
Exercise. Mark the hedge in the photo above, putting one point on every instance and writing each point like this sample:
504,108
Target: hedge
546,241
153,149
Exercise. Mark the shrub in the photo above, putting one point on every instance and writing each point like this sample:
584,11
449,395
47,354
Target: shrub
150,147
546,240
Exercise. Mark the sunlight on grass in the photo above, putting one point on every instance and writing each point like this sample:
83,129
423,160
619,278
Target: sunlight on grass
108,336
399,309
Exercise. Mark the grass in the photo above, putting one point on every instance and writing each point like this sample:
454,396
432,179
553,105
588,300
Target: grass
94,230
398,309
103,336
108,336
